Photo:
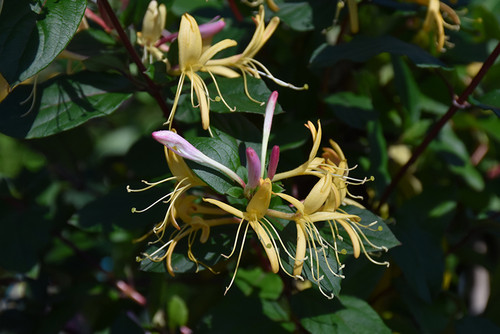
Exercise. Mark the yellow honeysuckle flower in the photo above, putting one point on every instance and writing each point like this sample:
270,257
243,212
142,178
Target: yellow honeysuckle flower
192,59
434,20
152,27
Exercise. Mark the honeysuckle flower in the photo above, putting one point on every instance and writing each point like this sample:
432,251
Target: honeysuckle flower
152,27
245,61
186,150
434,21
193,59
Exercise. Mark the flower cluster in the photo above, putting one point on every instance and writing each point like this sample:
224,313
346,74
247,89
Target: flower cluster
194,208
197,56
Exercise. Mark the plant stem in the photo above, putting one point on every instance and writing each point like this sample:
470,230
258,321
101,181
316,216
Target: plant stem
153,89
455,106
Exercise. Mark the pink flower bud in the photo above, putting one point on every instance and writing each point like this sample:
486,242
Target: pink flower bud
273,162
253,166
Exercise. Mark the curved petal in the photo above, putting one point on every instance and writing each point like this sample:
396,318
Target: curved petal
226,207
266,242
221,70
216,48
300,252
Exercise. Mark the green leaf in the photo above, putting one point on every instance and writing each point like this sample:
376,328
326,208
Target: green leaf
407,89
379,234
222,149
268,285
489,101
177,312
32,37
358,317
323,316
452,149
378,157
354,110
233,92
362,48
61,104
298,15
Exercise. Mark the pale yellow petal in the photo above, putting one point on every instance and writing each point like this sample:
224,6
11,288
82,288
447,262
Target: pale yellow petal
353,236
293,201
318,194
203,100
190,45
300,252
216,48
267,244
222,71
226,207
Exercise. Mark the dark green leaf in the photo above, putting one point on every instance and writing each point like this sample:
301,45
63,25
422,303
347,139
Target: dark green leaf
23,234
354,110
358,317
208,254
268,285
362,48
379,234
61,104
489,101
222,149
31,37
298,15
407,89
233,92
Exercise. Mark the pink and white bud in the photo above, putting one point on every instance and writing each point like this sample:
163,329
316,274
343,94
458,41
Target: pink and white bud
268,121
253,166
185,149
273,162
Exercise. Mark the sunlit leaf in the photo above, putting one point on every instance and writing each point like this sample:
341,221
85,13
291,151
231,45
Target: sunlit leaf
33,34
61,104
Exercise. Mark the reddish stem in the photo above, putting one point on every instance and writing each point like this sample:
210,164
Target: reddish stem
153,89
235,10
454,107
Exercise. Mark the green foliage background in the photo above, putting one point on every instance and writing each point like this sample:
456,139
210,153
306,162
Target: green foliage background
73,139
